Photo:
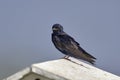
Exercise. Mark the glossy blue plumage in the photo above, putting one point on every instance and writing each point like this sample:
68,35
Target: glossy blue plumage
68,46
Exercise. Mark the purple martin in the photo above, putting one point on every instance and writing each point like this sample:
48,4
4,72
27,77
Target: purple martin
68,46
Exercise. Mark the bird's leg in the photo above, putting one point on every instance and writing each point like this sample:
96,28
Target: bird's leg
67,57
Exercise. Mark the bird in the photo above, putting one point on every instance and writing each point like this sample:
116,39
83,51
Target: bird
68,46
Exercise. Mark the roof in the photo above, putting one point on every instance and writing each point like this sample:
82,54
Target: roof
63,69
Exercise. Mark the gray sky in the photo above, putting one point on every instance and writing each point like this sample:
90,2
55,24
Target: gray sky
25,31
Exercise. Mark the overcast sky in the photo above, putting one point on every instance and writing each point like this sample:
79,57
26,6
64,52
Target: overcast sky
25,31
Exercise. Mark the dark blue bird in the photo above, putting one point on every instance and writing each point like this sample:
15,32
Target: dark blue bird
68,46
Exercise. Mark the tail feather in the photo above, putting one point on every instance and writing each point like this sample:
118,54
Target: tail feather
85,57
91,61
87,54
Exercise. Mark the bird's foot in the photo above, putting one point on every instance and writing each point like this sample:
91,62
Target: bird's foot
67,58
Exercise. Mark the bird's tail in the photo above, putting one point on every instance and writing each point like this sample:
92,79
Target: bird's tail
87,57
92,61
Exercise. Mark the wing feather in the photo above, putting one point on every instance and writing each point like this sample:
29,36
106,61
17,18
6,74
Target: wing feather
67,45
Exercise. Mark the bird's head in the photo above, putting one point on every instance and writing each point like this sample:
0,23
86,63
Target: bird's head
57,28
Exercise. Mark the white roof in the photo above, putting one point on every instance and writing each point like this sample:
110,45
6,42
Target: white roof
63,69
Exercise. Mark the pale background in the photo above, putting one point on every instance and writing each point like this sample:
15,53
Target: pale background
25,31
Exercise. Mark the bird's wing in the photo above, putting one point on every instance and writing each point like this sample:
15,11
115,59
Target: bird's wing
67,45
73,48
87,54
76,45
